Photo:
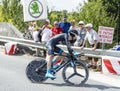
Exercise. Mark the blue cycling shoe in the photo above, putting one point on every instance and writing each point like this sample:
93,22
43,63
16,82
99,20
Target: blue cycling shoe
49,75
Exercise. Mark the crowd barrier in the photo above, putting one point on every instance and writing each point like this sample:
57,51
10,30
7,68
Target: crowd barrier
87,51
111,65
98,53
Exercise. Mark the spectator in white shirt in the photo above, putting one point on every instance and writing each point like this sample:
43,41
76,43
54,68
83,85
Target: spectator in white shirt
93,40
35,34
31,28
46,32
91,36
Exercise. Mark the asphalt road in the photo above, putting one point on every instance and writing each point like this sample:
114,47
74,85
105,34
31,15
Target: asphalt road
13,78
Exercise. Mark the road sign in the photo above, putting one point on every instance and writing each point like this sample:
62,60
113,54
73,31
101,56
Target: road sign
105,34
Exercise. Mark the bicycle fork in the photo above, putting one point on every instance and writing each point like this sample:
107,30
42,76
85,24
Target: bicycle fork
73,66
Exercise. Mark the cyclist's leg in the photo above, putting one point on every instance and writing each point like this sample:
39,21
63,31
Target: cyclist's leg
50,56
57,51
58,59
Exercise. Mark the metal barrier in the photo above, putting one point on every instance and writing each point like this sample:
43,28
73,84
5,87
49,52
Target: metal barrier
88,52
96,53
21,41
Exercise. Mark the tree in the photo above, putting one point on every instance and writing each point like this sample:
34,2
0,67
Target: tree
12,12
57,15
113,9
95,12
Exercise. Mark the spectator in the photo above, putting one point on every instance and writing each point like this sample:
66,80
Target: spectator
81,34
56,29
91,36
93,40
31,28
36,34
34,24
65,25
47,24
27,35
73,27
46,32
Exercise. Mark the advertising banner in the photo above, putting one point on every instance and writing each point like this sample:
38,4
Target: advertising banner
34,10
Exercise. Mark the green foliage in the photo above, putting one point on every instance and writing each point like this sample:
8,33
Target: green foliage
12,12
1,19
94,12
57,15
97,13
112,15
113,9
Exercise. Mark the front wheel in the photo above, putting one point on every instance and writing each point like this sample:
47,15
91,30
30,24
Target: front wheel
32,72
75,73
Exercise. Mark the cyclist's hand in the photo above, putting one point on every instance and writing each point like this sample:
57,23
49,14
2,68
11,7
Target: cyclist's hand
94,48
81,47
76,54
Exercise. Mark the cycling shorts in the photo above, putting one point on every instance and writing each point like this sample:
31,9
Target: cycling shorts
53,49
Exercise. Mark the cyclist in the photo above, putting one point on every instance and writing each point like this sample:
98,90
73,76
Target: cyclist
52,48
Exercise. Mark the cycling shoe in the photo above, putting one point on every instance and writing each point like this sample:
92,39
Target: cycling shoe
49,75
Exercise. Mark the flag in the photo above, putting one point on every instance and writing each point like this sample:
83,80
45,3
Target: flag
34,10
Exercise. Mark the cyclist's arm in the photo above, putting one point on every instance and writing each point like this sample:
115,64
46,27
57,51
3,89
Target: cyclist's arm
68,44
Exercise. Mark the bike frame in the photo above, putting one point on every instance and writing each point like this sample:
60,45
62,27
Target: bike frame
61,66
70,58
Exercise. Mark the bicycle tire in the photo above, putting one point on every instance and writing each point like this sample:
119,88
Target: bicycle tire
74,78
36,76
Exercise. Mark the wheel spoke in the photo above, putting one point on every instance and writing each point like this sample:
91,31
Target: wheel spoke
70,76
80,75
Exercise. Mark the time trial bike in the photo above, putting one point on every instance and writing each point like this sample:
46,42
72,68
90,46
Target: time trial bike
74,72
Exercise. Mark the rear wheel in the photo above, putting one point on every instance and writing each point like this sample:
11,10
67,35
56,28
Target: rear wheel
75,73
33,73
